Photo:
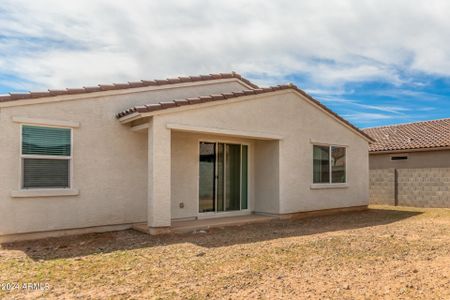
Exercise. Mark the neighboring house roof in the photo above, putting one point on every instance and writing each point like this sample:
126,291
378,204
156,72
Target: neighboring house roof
412,136
122,86
225,96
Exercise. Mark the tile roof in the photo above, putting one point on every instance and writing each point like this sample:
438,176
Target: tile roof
224,96
420,135
121,86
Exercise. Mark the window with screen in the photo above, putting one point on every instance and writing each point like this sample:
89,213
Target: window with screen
46,157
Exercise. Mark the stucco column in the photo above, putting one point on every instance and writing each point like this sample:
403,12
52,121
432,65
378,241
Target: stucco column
159,210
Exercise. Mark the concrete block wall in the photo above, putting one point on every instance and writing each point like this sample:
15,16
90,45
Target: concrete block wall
426,187
382,186
423,187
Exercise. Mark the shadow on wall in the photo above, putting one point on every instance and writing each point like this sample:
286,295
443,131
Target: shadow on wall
83,245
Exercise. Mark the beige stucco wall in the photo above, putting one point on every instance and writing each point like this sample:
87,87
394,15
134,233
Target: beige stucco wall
299,123
426,159
110,162
267,176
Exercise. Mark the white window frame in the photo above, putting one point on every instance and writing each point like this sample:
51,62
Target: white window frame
23,156
330,184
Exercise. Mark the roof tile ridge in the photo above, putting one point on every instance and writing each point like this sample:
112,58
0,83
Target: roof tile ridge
121,86
407,123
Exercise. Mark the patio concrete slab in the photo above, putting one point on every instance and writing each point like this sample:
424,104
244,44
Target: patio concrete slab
205,224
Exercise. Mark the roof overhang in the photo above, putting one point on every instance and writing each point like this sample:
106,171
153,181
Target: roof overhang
410,150
102,90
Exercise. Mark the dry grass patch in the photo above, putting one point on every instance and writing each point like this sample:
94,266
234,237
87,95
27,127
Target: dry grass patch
386,252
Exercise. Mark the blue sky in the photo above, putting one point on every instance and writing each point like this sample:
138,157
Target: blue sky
373,62
375,103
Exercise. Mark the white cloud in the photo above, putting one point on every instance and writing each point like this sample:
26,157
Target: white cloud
383,108
75,43
366,117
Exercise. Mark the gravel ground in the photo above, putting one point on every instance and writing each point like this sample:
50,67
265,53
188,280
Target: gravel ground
385,252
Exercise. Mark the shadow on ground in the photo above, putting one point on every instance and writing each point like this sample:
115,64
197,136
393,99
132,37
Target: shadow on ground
83,245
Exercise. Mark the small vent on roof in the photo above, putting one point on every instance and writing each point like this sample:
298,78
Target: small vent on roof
399,157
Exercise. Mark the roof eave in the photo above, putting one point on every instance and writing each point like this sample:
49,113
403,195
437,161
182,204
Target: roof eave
23,98
130,117
408,150
289,88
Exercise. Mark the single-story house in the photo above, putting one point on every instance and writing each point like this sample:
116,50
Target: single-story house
414,145
110,156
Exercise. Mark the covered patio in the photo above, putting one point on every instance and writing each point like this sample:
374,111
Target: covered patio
176,200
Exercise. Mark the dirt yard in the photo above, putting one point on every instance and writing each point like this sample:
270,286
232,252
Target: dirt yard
386,252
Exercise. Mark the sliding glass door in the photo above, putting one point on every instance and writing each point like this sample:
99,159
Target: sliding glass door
207,188
232,177
223,180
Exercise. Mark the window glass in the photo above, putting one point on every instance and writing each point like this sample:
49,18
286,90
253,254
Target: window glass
45,140
338,164
232,177
321,164
46,155
45,173
244,185
207,175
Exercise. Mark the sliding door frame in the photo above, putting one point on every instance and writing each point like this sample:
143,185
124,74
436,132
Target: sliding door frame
217,213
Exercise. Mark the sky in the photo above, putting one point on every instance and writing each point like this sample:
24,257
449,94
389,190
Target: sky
373,62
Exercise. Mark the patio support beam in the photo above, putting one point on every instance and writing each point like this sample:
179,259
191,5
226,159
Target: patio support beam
159,174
